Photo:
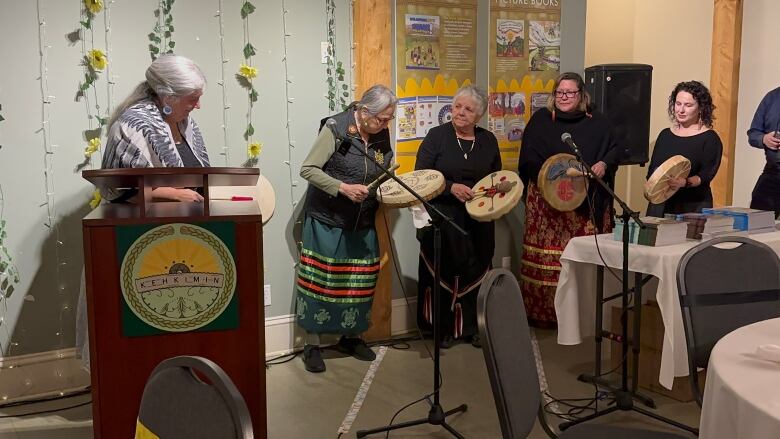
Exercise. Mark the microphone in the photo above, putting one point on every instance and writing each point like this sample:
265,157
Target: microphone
331,124
343,142
566,138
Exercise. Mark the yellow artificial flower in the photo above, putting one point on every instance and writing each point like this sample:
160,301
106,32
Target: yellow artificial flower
94,6
94,145
96,199
247,72
97,59
254,149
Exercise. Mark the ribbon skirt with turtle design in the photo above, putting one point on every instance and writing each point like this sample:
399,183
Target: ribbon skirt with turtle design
337,274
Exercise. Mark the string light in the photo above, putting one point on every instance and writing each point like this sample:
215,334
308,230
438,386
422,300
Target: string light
352,44
288,103
225,106
49,149
109,74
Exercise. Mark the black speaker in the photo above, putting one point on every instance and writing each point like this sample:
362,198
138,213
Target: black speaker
621,92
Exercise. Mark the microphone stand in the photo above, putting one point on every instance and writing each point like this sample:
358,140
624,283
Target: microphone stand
624,396
436,415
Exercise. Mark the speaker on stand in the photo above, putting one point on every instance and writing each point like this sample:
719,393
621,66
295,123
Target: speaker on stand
621,92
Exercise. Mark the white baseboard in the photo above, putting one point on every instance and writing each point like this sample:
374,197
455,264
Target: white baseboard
40,375
43,374
282,335
404,317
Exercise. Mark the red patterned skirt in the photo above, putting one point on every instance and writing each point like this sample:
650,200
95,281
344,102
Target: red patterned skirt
547,231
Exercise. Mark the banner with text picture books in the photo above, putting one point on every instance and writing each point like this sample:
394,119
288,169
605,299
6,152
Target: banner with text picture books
435,55
525,59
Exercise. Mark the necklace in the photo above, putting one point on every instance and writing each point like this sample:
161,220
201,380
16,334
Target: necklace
466,153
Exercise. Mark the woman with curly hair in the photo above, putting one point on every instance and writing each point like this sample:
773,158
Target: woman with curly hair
691,136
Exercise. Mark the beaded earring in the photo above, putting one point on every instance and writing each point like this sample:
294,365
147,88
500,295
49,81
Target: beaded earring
167,110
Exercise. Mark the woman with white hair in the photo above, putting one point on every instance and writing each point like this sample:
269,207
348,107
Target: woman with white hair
464,153
339,261
153,126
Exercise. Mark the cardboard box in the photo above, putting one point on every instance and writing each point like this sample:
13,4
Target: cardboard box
650,346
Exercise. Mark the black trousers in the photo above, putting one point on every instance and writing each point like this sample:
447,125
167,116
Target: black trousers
766,193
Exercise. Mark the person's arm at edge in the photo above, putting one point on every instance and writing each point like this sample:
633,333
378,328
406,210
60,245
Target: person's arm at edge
757,129
311,169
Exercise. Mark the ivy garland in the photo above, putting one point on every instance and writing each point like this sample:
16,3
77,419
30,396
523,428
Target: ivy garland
161,38
94,62
338,90
245,76
9,275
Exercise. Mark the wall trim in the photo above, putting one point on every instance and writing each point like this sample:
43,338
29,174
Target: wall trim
40,375
29,376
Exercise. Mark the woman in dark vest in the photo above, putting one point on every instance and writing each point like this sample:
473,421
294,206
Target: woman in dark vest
340,256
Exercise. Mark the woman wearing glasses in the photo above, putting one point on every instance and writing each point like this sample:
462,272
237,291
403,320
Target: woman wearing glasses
340,256
464,153
691,135
547,230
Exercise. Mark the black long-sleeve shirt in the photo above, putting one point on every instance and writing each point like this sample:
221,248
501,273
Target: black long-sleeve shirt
542,140
704,151
440,150
594,137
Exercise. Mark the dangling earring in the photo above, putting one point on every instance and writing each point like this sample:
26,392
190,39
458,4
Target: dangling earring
167,110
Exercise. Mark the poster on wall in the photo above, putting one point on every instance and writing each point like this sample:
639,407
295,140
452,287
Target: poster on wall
435,55
525,59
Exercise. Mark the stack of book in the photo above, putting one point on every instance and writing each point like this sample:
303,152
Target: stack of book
750,220
633,230
710,225
662,231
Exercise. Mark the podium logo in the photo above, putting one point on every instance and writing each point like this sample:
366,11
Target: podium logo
178,277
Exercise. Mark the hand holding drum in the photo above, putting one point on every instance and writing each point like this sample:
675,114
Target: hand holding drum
658,188
495,196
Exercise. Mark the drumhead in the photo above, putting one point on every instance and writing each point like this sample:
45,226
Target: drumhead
428,183
262,193
488,203
562,182
657,189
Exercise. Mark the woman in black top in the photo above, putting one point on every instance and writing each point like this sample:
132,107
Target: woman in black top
691,136
464,153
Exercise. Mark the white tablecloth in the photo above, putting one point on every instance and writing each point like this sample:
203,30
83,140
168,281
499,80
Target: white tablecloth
742,395
575,297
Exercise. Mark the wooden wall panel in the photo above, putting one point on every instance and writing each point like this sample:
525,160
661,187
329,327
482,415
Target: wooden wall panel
724,86
372,34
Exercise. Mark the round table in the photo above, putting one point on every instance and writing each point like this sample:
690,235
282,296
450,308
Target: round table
742,391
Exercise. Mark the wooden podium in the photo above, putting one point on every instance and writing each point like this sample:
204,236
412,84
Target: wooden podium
126,252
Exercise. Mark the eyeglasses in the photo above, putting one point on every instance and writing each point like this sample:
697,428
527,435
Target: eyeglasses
383,120
568,94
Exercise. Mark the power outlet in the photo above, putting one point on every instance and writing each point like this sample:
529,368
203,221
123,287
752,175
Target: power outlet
267,295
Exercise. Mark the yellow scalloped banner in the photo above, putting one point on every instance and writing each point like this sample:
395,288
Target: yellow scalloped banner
406,152
440,87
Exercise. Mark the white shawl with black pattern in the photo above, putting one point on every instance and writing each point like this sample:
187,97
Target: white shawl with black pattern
140,138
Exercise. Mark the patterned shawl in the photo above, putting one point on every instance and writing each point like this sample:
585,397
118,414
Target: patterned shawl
140,138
